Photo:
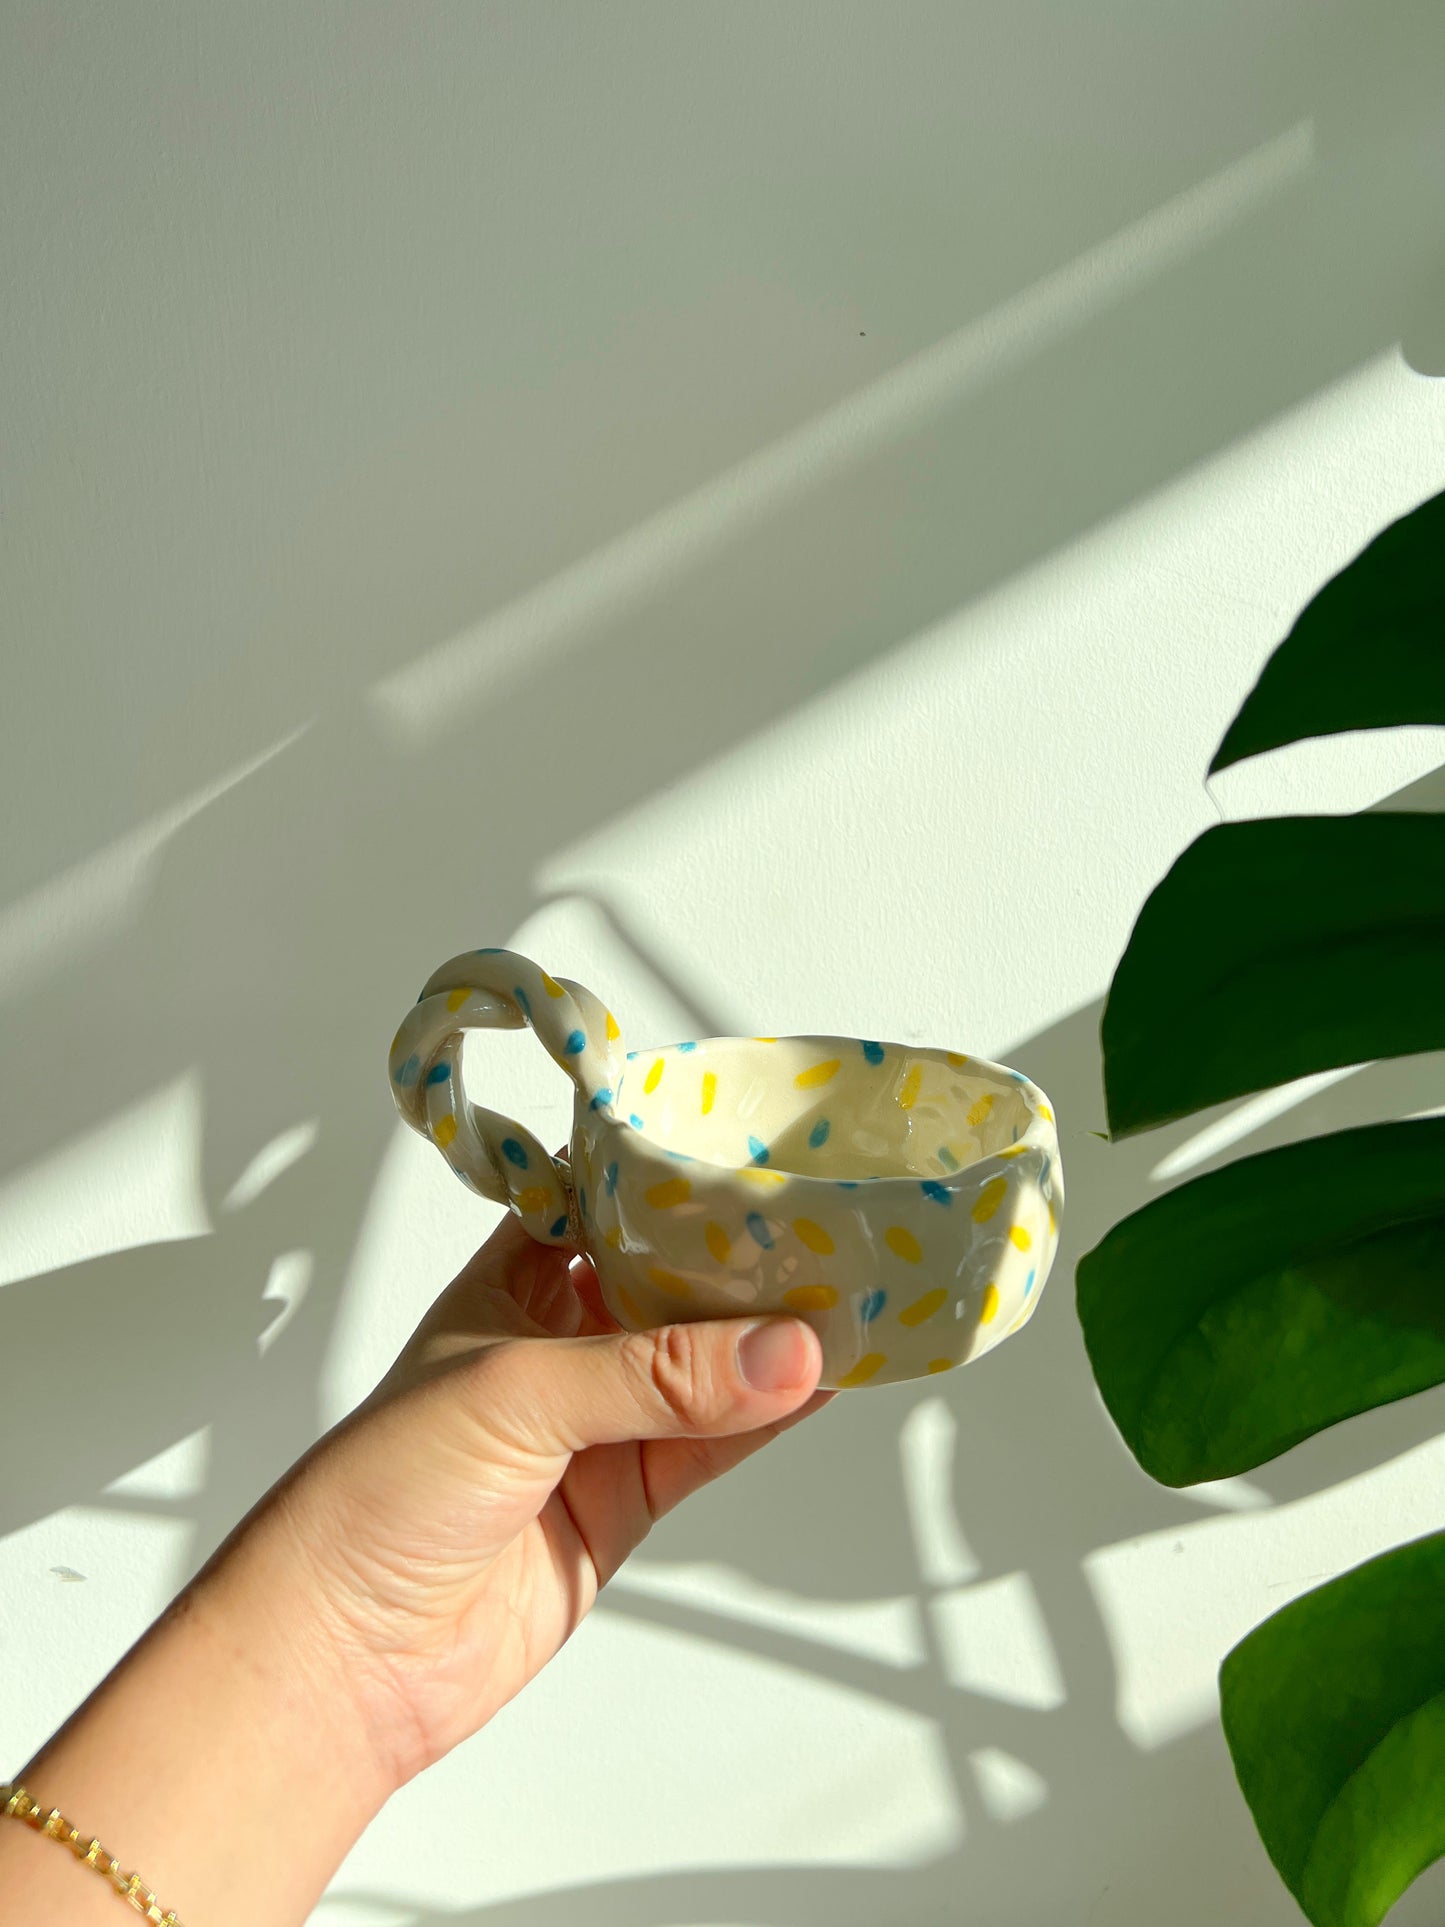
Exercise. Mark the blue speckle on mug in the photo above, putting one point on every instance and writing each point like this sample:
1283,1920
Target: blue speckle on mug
409,1071
576,1042
635,1121
872,1305
758,1225
609,1178
685,1047
439,1073
873,1052
818,1136
939,1193
757,1150
514,1153
604,1096
560,1226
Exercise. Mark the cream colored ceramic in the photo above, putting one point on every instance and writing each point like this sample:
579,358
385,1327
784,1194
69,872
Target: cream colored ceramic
904,1201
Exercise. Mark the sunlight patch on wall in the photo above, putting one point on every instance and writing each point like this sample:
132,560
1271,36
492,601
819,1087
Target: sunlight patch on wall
1008,1788
88,904
270,1162
995,1641
746,1764
927,1442
132,1180
73,1631
887,1630
178,1472
484,662
1242,1120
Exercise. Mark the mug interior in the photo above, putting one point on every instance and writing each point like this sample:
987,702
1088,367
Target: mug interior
840,1108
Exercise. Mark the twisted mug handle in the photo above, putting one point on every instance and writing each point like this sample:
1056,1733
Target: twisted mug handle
492,1154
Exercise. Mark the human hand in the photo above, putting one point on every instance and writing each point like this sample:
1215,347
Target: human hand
454,1530
402,1582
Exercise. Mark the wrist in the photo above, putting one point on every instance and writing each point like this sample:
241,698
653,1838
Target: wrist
262,1606
221,1759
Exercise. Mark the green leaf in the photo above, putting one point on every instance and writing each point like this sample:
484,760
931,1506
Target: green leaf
1368,652
1334,1710
1273,949
1249,1308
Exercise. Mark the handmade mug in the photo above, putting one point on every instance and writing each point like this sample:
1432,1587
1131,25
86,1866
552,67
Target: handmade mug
904,1201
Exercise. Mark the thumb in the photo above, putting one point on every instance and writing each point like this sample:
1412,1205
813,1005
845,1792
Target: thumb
705,1379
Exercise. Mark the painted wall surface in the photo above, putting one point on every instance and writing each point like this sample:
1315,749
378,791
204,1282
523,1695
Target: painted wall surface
768,510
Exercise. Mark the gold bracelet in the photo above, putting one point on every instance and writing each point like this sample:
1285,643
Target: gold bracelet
15,1801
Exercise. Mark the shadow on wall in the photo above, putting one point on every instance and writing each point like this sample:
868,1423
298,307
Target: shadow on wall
280,923
244,969
1038,1480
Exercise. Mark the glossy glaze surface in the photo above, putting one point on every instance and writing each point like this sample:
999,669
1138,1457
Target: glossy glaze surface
905,1201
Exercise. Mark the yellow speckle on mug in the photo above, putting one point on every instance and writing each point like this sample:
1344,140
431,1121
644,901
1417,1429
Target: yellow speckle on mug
654,1076
1020,1237
669,1281
551,986
535,1198
810,1298
1013,1150
978,1112
709,1090
1053,1223
443,1131
718,1243
456,998
818,1074
813,1236
989,1200
924,1307
671,1191
958,1059
630,1305
613,1028
1044,1111
902,1241
941,1364
864,1369
765,1040
908,1096
613,1236
988,1311
756,1174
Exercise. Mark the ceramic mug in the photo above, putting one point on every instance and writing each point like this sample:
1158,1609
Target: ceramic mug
904,1201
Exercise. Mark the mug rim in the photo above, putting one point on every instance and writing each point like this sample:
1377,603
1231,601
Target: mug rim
1040,1134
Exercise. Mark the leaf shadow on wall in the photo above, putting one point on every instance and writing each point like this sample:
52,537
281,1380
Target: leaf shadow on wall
268,949
1039,1483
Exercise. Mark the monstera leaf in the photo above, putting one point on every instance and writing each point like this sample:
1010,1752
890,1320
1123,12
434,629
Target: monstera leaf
1369,651
1251,1307
1334,1711
1273,949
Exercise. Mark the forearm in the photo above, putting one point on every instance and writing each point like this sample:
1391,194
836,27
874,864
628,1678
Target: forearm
221,1760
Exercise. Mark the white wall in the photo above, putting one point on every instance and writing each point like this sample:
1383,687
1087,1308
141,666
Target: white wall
768,510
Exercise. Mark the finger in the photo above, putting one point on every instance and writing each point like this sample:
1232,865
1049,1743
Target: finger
597,1318
709,1379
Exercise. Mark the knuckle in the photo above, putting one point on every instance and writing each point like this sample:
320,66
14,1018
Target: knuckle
677,1370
